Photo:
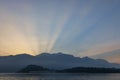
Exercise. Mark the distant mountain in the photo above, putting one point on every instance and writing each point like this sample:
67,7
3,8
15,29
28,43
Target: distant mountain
112,56
52,61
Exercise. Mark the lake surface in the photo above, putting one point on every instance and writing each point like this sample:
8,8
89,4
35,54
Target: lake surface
60,76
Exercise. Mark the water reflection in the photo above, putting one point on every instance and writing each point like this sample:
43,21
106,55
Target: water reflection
59,76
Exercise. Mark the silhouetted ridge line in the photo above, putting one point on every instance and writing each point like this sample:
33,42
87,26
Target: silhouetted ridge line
57,61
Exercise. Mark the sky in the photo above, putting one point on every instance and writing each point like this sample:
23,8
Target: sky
77,27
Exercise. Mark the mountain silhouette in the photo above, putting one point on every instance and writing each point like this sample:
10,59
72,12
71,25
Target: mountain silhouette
56,61
112,56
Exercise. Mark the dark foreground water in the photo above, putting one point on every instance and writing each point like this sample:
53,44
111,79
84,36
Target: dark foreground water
58,76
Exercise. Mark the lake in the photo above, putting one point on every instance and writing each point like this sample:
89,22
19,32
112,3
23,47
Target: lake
60,76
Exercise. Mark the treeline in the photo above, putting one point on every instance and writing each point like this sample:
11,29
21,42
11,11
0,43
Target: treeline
90,70
39,69
32,68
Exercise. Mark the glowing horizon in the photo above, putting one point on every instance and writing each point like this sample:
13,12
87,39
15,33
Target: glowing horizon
78,27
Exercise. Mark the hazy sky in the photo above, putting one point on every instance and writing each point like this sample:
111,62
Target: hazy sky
78,27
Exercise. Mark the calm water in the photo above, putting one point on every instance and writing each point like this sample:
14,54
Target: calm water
65,76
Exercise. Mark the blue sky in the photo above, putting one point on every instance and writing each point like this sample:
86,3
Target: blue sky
78,27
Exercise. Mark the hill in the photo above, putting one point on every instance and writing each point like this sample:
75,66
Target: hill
56,61
32,69
39,69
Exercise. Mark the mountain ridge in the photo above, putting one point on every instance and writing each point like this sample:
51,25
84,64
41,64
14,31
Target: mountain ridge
56,61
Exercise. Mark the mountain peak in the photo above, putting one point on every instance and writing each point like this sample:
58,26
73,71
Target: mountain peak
54,54
86,57
43,54
60,53
25,54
